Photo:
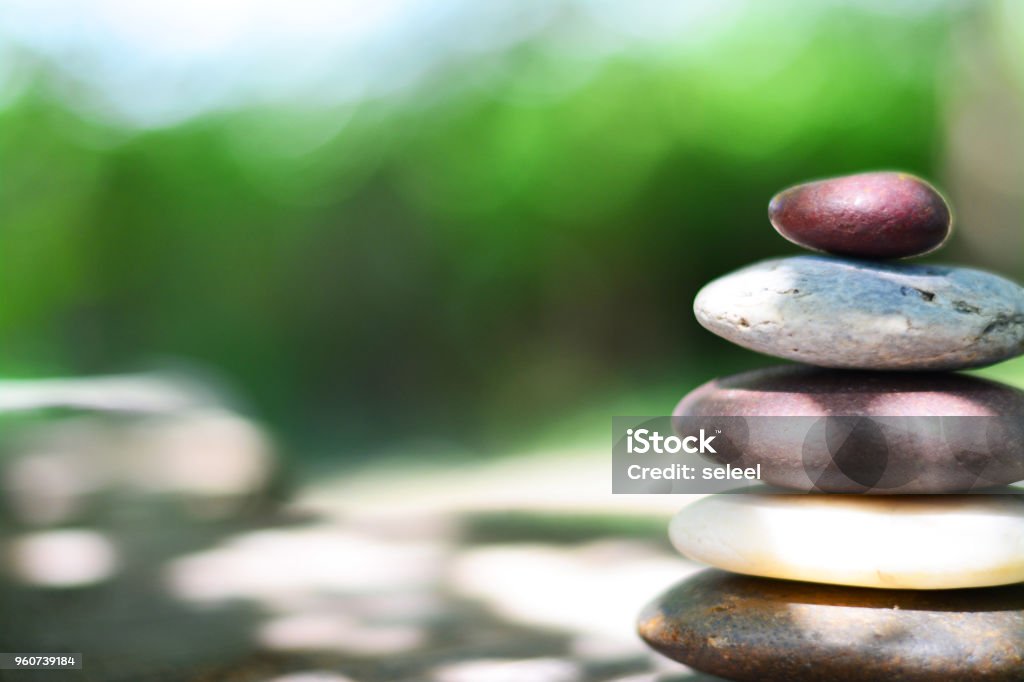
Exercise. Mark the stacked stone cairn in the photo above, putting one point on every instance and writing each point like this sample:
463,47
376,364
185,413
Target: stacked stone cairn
913,579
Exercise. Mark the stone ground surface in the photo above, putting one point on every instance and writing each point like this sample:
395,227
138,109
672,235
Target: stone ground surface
501,571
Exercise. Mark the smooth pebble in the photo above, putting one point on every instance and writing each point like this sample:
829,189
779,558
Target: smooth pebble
895,542
859,315
844,431
868,215
763,630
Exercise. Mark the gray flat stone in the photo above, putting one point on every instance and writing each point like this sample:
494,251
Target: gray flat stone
840,313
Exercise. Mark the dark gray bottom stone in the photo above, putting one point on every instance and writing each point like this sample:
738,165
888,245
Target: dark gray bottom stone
746,628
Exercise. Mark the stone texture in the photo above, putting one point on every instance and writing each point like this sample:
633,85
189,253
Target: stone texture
894,542
826,430
859,315
868,215
762,630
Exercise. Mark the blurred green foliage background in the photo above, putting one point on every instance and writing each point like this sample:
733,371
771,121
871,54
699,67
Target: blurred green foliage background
467,222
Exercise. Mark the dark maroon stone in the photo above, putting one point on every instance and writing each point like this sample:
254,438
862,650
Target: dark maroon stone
805,391
868,215
746,628
829,433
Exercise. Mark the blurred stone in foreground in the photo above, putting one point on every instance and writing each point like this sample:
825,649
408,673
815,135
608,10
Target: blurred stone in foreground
73,446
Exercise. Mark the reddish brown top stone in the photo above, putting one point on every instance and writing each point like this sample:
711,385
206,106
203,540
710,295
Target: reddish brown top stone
868,215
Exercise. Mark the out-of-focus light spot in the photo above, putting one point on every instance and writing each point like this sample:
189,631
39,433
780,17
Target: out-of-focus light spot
211,453
270,566
405,606
601,649
137,394
534,481
63,558
534,669
332,632
312,676
593,589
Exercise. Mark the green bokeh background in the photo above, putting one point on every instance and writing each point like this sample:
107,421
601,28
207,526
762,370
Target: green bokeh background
506,247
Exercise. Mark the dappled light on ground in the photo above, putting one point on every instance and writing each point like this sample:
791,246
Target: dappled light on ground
274,565
158,545
592,589
538,669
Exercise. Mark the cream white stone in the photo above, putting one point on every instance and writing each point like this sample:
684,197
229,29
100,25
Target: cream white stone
902,541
